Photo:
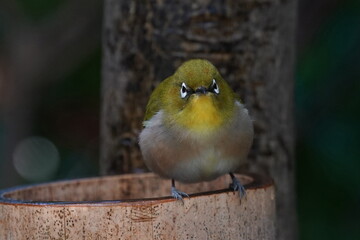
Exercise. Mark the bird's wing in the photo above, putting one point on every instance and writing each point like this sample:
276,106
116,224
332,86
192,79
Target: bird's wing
154,105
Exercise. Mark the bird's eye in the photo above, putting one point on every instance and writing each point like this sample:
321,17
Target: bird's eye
183,90
214,87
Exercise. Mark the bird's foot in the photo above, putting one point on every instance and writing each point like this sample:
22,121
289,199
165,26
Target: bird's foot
237,186
177,194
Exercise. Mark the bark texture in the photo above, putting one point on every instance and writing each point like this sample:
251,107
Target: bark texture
252,44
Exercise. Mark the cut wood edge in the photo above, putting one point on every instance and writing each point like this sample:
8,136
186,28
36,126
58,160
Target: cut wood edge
137,206
30,194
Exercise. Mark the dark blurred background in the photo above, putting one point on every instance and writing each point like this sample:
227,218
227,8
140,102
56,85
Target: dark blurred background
50,61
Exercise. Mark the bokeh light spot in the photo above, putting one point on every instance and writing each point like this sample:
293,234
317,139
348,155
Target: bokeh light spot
36,159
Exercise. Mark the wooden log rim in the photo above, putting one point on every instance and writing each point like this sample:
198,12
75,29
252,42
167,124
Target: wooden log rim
138,206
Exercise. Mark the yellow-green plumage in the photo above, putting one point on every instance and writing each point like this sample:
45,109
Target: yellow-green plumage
199,72
195,127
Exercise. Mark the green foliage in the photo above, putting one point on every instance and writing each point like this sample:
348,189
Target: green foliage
38,9
328,116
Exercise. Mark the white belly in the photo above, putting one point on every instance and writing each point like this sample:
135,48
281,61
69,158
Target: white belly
185,157
205,166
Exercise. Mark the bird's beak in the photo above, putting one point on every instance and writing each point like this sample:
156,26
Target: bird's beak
201,90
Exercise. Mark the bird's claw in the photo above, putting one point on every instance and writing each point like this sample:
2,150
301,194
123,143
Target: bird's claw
237,186
178,195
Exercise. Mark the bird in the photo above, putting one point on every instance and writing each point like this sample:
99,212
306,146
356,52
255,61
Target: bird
196,128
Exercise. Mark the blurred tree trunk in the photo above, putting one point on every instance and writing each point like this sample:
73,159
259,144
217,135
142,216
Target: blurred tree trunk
252,44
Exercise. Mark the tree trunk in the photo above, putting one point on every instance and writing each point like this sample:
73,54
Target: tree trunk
251,43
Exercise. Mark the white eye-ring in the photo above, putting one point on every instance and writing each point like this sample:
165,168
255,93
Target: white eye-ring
183,90
215,87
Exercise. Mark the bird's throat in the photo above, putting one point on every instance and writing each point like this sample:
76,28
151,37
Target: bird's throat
200,115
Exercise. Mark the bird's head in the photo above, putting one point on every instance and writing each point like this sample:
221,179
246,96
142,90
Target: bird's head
196,97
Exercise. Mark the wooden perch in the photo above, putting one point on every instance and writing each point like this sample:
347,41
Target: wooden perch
137,206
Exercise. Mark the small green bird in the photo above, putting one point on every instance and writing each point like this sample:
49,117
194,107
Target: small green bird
195,128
